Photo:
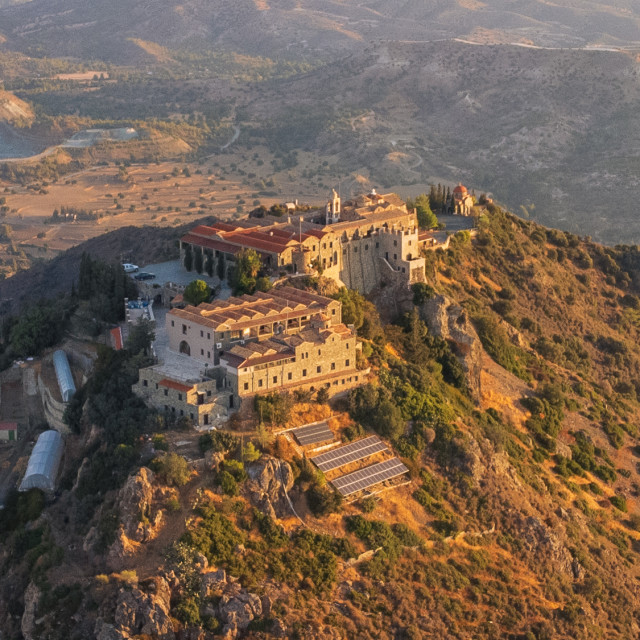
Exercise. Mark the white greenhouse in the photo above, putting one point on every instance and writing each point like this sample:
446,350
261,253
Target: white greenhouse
64,375
44,462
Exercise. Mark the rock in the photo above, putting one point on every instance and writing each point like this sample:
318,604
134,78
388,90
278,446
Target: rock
449,321
201,561
145,612
28,622
545,545
212,459
104,631
429,435
564,450
213,583
269,479
278,629
236,612
266,605
135,503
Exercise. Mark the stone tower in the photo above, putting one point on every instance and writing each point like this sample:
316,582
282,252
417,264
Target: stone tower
332,210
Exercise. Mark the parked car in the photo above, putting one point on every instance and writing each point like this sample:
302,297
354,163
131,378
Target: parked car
130,268
143,275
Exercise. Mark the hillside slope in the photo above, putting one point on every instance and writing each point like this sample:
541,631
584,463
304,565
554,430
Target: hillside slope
553,131
309,28
520,520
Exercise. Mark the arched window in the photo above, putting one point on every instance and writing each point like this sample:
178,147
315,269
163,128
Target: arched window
185,348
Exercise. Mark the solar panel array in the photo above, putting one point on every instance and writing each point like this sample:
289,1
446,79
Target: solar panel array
313,433
369,476
349,453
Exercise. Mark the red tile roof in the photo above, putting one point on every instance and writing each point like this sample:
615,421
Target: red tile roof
8,426
116,335
172,384
210,243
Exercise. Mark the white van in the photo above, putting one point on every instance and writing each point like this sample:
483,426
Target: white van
129,268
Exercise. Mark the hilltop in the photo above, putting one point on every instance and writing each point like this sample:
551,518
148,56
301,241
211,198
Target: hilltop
520,519
308,29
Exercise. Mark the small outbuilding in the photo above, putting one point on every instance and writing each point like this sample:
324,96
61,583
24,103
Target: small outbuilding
8,431
44,462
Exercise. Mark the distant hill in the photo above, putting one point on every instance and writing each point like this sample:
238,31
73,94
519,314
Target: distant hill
307,28
552,129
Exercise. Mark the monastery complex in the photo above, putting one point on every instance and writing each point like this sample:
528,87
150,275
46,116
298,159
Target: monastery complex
227,351
369,241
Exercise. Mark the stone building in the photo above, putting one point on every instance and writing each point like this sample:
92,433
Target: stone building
206,331
363,243
322,355
462,201
202,399
231,350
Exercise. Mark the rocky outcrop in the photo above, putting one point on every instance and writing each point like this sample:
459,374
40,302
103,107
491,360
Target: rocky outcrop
237,611
449,321
135,503
140,610
236,607
28,622
269,479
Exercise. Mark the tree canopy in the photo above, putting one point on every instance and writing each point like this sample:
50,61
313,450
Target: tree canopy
248,265
196,292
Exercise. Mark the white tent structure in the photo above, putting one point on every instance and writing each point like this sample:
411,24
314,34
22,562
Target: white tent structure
64,375
42,468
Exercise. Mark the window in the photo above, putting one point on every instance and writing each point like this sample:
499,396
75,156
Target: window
324,245
275,379
179,396
191,415
201,333
304,373
209,393
208,354
166,392
181,412
289,375
355,249
366,247
173,324
166,407
156,385
331,245
333,312
347,345
395,256
319,369
145,383
319,352
259,383
395,243
184,328
346,362
208,336
246,386
201,352
333,366
377,245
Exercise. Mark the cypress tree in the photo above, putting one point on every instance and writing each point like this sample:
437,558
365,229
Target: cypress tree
188,258
197,259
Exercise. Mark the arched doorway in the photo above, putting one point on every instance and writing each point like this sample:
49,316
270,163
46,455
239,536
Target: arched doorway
185,348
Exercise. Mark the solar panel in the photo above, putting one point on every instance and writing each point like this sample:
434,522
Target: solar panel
349,453
313,433
369,476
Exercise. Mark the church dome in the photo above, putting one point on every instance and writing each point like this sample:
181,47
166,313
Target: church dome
460,190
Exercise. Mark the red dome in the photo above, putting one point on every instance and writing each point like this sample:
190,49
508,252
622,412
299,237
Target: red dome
460,190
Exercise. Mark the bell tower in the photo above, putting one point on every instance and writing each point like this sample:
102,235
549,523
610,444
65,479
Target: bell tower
332,210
